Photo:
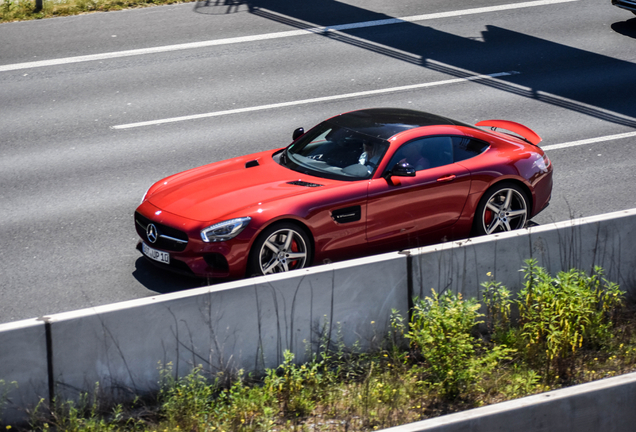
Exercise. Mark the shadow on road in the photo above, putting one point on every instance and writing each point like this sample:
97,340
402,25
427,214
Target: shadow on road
626,28
162,281
549,72
221,7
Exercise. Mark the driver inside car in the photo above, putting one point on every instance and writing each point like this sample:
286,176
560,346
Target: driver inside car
411,155
370,156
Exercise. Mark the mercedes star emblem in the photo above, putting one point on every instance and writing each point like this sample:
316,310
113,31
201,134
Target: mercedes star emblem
151,233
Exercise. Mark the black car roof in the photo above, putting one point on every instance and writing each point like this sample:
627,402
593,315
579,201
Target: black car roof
385,122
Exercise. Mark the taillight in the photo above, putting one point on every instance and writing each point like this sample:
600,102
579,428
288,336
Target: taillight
543,163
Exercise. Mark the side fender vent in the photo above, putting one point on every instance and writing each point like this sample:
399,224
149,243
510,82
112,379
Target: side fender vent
303,183
347,214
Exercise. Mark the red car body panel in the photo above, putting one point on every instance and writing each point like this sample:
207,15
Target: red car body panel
429,205
343,219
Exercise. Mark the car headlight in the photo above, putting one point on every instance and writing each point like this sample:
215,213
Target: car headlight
225,230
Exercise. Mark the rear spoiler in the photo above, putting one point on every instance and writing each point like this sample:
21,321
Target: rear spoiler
528,134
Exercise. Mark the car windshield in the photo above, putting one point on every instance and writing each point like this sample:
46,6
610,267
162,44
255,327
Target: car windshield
335,152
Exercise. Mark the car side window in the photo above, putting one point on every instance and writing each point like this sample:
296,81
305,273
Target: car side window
438,150
466,148
424,153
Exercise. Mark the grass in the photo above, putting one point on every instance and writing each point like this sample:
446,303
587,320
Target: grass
24,10
571,328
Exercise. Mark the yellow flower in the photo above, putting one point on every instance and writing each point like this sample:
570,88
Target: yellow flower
489,274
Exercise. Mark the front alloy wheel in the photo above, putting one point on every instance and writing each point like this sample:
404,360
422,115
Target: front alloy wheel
503,208
281,248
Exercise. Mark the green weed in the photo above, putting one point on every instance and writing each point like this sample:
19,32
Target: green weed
435,363
557,316
441,330
297,388
22,10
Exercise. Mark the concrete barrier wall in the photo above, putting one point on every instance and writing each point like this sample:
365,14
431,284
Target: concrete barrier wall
608,241
248,324
601,406
243,325
23,368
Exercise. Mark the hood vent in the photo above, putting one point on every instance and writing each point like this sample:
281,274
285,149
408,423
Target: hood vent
251,163
303,183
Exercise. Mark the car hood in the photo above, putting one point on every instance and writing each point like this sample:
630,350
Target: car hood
213,191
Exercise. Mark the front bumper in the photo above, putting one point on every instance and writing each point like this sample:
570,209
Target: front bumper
189,254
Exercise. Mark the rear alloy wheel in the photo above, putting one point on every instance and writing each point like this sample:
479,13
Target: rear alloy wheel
504,207
280,248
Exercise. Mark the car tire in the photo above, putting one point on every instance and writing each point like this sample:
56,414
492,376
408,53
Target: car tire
281,247
504,207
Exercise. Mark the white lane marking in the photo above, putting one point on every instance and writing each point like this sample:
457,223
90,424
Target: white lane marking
588,141
313,100
278,35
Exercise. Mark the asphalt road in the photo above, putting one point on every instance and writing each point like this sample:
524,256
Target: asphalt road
81,138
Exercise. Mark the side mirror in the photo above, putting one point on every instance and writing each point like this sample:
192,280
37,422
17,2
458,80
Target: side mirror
402,169
298,133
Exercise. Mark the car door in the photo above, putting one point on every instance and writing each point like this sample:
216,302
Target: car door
419,210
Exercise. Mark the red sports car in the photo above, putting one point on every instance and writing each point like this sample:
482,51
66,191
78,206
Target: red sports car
360,183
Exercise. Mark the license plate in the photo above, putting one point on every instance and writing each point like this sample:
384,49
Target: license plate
154,254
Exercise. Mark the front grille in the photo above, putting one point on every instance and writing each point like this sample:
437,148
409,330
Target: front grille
168,238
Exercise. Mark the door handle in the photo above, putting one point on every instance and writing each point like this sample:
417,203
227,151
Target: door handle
447,178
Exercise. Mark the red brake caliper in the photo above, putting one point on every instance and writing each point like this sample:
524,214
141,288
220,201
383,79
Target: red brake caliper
488,217
294,248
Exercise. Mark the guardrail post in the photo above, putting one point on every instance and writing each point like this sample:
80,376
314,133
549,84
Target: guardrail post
409,281
49,356
38,5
